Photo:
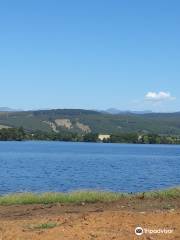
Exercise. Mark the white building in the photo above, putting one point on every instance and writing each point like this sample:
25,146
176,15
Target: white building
104,137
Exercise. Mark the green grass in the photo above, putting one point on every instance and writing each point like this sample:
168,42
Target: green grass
42,226
82,197
47,198
164,194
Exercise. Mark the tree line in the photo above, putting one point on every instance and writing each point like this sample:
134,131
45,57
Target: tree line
19,134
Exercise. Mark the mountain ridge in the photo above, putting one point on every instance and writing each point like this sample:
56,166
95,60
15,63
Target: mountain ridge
85,121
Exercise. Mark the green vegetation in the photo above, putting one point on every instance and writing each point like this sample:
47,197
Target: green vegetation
45,121
19,134
164,194
90,137
144,138
47,198
42,226
82,197
7,134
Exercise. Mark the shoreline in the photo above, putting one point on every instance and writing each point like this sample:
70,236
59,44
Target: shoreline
19,134
108,143
78,197
115,220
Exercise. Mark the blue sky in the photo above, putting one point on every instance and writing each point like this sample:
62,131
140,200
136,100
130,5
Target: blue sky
90,54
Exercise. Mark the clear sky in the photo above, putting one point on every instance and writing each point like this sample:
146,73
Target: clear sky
93,54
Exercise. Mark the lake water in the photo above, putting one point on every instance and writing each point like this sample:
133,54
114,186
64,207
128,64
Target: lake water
60,166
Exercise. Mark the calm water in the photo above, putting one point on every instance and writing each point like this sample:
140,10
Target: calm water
59,166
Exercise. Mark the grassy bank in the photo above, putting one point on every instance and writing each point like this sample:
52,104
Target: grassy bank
83,197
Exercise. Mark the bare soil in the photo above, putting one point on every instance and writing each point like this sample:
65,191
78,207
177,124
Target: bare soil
99,221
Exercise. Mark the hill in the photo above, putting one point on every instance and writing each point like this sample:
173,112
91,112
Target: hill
6,109
86,121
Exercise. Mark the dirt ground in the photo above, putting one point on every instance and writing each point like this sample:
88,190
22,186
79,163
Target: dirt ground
91,221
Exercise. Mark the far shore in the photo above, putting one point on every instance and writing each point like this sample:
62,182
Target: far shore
99,142
19,134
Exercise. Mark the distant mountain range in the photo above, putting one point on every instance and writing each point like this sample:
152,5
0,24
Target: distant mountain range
7,109
109,110
117,111
87,121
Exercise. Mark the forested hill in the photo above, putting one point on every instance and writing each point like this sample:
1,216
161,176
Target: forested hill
86,121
